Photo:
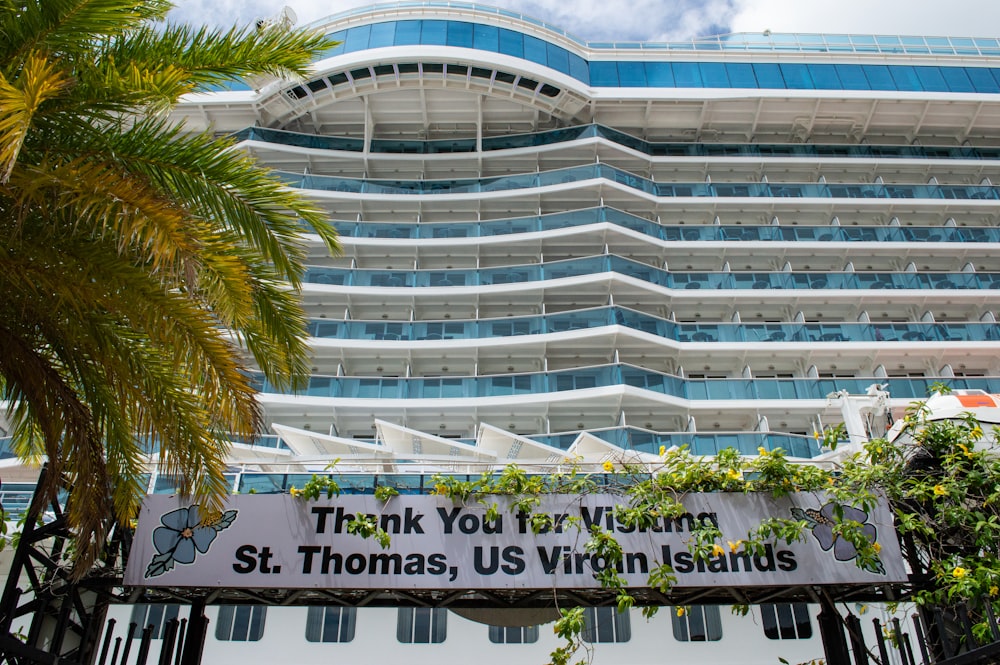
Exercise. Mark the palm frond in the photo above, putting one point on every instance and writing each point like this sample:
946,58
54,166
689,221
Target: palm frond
38,80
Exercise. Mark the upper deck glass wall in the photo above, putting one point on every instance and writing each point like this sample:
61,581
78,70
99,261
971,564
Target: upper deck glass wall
767,41
757,75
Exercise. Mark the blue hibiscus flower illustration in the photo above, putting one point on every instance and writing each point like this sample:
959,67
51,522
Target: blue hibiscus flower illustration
822,522
182,535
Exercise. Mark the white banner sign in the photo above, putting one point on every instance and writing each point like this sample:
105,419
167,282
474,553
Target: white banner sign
279,541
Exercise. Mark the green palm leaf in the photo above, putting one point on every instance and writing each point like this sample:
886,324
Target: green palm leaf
141,261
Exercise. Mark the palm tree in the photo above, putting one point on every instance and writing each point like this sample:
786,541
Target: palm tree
141,266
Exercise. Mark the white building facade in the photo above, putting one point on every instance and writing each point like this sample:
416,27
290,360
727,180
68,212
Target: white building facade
554,248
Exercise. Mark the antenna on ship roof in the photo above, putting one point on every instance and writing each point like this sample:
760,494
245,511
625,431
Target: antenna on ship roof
286,18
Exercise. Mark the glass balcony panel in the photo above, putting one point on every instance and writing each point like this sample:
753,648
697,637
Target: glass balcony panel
320,386
486,37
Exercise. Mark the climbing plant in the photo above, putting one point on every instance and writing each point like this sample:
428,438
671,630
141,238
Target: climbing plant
941,481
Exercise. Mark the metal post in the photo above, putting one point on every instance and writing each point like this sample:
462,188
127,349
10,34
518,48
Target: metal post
883,652
167,644
128,641
114,654
988,605
943,633
921,639
857,639
831,629
899,642
109,631
181,632
194,642
143,653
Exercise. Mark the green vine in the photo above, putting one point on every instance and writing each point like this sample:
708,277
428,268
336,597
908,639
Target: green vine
942,485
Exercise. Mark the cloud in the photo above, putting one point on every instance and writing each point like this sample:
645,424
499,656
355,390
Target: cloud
594,20
661,20
957,18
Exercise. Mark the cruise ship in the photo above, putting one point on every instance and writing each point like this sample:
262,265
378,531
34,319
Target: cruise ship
556,249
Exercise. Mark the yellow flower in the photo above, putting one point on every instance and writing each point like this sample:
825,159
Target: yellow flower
295,491
440,489
762,451
939,490
815,434
717,550
994,590
734,546
959,572
663,451
733,474
877,547
976,432
680,611
608,466
829,481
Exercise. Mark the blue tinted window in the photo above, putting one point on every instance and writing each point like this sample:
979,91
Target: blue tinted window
434,33
956,79
825,77
914,45
357,38
383,34
578,68
853,77
964,46
879,77
534,49
982,79
603,73
659,75
888,44
407,33
930,79
341,35
796,76
511,43
686,75
558,58
905,77
713,74
741,75
486,37
631,74
768,75
460,34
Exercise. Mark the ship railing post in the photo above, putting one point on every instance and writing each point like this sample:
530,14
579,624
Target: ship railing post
194,641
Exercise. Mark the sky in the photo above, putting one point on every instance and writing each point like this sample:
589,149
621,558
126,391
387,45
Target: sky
661,20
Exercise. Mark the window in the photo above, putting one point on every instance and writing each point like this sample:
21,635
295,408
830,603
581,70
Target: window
606,624
513,634
330,624
240,623
698,623
156,616
421,625
786,621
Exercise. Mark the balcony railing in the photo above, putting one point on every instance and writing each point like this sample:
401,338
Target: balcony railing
591,265
617,374
410,331
697,233
556,136
743,190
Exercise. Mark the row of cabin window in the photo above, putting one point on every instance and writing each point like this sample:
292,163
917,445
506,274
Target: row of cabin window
698,623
